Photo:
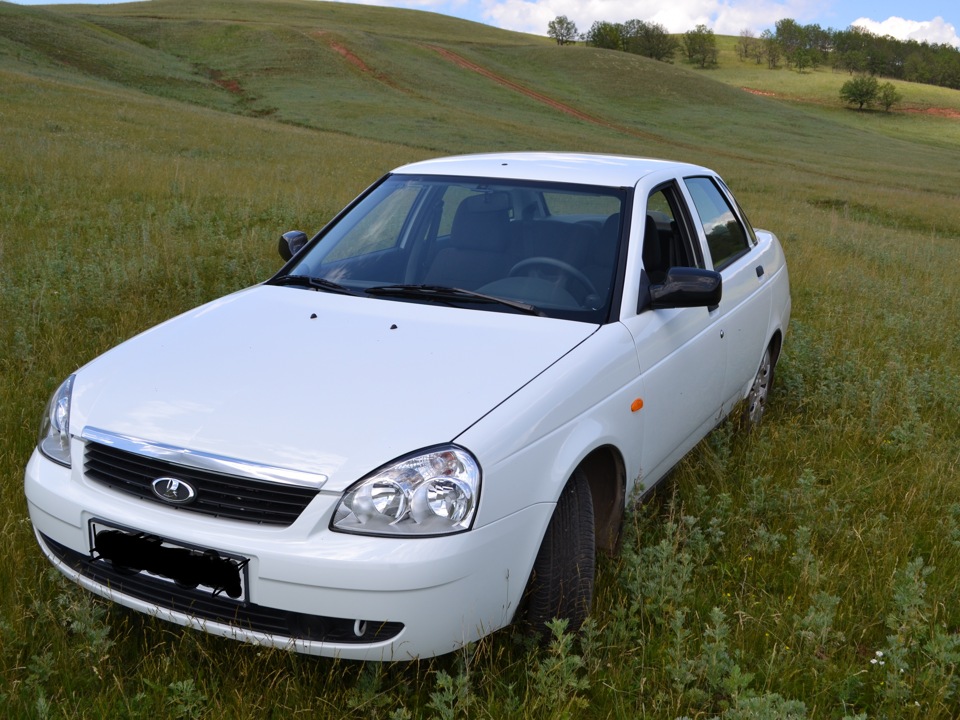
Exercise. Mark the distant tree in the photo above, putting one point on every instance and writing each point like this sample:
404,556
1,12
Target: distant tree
888,96
658,43
819,43
857,50
880,56
700,45
603,34
853,61
630,32
860,91
851,49
791,38
746,44
562,30
771,49
802,59
649,39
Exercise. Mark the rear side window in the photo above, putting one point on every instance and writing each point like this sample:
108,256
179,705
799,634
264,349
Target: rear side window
726,237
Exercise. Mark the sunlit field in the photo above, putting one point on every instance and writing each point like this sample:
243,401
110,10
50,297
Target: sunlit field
810,568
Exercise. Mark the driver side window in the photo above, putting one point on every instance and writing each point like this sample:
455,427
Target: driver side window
665,243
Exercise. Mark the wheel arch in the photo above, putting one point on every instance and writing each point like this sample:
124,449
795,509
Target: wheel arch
776,345
606,475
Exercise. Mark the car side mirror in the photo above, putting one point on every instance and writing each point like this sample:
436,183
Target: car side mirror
291,243
687,287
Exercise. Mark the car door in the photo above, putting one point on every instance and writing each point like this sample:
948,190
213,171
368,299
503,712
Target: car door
744,312
680,350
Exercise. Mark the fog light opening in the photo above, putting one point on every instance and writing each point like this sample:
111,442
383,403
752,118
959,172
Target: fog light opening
359,628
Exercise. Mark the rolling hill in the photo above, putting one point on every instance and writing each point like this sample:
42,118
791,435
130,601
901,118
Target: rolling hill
380,73
441,85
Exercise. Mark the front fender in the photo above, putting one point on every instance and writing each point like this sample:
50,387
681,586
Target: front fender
530,445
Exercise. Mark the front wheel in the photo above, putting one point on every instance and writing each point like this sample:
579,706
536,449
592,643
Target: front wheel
561,584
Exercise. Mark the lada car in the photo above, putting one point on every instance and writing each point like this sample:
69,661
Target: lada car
425,426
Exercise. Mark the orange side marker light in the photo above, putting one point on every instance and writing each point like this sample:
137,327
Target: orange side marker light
636,405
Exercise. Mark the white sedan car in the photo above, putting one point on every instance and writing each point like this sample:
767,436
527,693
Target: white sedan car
427,423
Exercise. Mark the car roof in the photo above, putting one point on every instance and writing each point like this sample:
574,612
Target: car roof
578,168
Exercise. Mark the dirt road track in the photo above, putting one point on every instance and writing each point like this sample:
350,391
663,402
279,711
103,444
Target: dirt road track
500,80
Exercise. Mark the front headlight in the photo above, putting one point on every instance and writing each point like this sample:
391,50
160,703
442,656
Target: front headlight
54,440
432,493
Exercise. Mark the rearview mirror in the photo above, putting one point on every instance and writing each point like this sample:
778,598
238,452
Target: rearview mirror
291,243
687,287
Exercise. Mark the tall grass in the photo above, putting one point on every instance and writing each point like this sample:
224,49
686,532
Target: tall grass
809,569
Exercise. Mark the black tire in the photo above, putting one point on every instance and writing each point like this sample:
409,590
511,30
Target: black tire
561,583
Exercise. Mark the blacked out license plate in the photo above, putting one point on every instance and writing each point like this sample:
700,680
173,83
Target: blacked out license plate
189,567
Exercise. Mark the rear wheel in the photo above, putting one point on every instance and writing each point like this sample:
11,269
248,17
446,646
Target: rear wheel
561,584
759,391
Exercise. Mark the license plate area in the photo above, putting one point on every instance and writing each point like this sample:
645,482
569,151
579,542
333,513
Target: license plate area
188,566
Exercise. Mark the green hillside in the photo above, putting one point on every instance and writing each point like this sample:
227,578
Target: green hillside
380,74
150,154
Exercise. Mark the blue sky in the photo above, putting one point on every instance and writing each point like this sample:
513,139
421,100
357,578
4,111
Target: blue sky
932,20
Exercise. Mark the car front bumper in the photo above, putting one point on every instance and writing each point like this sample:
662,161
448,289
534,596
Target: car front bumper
306,588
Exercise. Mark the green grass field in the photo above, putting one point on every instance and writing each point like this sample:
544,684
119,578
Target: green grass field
151,153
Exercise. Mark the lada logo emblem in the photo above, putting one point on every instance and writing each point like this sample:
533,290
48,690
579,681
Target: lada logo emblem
173,490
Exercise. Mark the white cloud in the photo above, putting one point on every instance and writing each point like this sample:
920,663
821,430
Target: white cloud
724,17
523,16
933,31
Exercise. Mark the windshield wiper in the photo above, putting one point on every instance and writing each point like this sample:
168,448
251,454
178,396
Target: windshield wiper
442,293
313,282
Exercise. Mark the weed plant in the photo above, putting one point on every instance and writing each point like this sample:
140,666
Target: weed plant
808,569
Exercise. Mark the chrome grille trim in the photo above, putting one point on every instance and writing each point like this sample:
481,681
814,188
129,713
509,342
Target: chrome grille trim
204,461
134,469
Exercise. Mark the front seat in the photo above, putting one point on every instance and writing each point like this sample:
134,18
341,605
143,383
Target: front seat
477,251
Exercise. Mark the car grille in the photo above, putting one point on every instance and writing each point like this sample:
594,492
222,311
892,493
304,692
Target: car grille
217,494
204,606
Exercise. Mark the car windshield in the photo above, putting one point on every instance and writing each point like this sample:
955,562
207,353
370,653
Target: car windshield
539,248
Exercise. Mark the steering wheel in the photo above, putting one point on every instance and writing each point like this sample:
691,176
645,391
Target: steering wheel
566,268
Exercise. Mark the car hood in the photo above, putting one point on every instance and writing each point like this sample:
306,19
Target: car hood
310,381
